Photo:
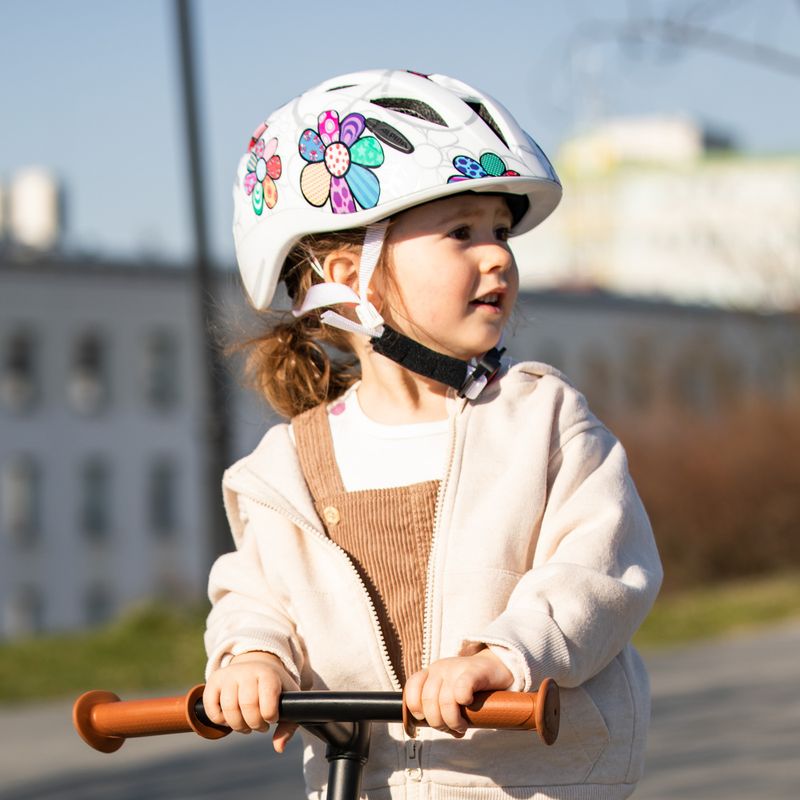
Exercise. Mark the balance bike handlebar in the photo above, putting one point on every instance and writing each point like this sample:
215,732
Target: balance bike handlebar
104,721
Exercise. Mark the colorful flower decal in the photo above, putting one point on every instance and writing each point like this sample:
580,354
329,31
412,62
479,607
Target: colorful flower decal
263,169
340,165
490,166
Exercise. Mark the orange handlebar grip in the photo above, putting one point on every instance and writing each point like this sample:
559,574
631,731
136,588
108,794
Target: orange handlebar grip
104,722
539,711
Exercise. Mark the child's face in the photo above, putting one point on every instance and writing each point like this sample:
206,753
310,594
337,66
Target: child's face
454,280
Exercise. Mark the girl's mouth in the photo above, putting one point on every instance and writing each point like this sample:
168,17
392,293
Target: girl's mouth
491,300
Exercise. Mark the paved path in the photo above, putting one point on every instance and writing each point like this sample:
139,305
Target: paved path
726,724
726,720
42,758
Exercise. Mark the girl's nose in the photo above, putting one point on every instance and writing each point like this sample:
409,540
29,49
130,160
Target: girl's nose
496,258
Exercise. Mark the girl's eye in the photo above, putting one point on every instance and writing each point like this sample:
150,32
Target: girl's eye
461,233
502,233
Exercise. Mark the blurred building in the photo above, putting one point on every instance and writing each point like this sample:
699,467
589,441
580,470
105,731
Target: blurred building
660,208
100,416
637,359
99,441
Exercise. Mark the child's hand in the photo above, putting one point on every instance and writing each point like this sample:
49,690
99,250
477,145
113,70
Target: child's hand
436,694
244,695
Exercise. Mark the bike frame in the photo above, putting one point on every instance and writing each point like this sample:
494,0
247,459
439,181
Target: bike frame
342,720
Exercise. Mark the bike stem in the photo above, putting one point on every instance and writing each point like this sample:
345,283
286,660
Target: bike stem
347,740
347,752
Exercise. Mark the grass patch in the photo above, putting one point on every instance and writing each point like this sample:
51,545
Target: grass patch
149,647
157,648
695,614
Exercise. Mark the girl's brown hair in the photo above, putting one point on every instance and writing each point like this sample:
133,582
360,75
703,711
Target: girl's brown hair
298,363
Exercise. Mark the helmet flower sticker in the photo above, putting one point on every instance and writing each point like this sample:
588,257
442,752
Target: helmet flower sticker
263,169
340,163
490,166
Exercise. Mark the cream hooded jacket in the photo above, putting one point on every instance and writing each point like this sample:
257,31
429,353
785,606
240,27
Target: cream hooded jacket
541,547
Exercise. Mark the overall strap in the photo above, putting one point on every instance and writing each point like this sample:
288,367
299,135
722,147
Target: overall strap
314,444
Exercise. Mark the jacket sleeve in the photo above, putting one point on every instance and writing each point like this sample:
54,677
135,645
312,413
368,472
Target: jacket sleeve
595,573
248,607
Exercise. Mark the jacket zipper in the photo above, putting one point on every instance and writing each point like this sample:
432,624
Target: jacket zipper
413,760
427,624
414,746
301,523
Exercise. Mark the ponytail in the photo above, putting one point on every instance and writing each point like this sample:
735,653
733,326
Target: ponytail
298,363
292,369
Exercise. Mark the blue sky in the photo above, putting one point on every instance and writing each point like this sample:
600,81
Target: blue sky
89,88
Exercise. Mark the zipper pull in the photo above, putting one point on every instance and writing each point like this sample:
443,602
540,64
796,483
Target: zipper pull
413,763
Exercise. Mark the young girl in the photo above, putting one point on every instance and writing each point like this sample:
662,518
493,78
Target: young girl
433,516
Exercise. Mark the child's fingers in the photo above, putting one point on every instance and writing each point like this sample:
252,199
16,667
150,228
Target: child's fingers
229,702
283,733
269,692
211,703
428,697
412,694
250,706
431,692
450,711
465,685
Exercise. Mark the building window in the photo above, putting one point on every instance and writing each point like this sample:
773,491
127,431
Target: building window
163,497
20,499
98,604
95,508
161,370
24,614
18,378
88,384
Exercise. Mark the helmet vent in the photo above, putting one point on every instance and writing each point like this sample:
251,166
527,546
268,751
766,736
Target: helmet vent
483,112
410,107
336,88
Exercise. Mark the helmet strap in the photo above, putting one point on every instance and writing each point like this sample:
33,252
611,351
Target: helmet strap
468,378
330,293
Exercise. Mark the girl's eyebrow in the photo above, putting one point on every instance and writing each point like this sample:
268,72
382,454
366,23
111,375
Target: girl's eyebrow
460,213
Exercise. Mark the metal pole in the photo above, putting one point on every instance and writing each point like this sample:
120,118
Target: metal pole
215,422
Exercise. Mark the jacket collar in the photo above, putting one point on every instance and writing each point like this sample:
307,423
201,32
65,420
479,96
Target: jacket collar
271,474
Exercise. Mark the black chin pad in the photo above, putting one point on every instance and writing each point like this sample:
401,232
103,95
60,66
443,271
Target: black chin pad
420,359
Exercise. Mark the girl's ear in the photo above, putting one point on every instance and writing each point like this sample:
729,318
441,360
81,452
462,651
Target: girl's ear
341,266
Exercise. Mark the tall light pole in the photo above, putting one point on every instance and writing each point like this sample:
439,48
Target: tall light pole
214,418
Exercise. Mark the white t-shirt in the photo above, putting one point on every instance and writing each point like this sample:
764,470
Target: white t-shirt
371,455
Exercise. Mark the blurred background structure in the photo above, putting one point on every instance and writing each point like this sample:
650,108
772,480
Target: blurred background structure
666,287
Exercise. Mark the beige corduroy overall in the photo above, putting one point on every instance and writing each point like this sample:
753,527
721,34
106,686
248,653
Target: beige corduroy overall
385,532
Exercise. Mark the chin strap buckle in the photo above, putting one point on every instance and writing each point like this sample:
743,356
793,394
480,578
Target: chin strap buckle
484,371
369,316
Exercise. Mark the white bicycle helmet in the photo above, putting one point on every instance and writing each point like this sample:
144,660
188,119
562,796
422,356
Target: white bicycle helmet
361,147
